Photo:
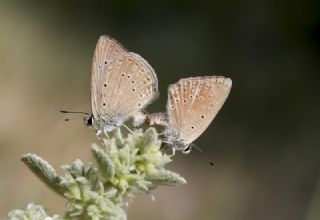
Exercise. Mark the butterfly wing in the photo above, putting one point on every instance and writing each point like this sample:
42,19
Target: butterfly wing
127,87
106,53
194,102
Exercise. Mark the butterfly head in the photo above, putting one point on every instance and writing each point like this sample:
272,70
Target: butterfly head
88,120
177,142
106,125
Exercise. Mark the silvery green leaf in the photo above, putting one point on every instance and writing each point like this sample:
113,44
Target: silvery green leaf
104,161
150,137
44,171
82,172
118,137
32,212
165,177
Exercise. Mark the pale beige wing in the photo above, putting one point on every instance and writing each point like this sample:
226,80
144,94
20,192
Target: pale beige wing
106,53
194,102
127,87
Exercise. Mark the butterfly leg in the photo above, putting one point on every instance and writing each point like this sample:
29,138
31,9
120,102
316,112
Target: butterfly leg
108,138
173,152
140,135
128,128
98,134
162,133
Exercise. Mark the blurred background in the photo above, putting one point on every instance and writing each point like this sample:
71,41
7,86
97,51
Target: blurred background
265,141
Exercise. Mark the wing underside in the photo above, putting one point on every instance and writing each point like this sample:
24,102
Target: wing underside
194,102
106,53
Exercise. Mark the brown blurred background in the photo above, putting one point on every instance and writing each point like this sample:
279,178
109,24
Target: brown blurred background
265,141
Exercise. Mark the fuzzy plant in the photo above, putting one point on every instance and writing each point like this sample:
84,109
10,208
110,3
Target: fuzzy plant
124,168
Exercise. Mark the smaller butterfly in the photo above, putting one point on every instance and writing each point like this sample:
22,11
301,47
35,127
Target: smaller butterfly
192,104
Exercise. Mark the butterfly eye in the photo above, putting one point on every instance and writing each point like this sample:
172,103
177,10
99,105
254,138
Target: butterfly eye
88,121
187,149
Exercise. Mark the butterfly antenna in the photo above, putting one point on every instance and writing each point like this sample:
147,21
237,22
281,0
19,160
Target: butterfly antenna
203,154
69,119
71,112
84,113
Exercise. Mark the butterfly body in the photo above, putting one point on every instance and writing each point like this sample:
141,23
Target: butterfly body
105,125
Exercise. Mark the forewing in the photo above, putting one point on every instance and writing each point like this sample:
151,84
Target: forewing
106,53
194,102
128,87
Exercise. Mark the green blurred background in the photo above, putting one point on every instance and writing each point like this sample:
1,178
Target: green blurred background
265,141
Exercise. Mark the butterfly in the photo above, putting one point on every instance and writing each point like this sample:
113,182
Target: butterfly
192,105
122,84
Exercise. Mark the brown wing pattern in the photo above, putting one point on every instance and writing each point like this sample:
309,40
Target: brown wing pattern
194,102
106,53
128,87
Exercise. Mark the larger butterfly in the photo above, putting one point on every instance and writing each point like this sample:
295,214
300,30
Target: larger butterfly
122,83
